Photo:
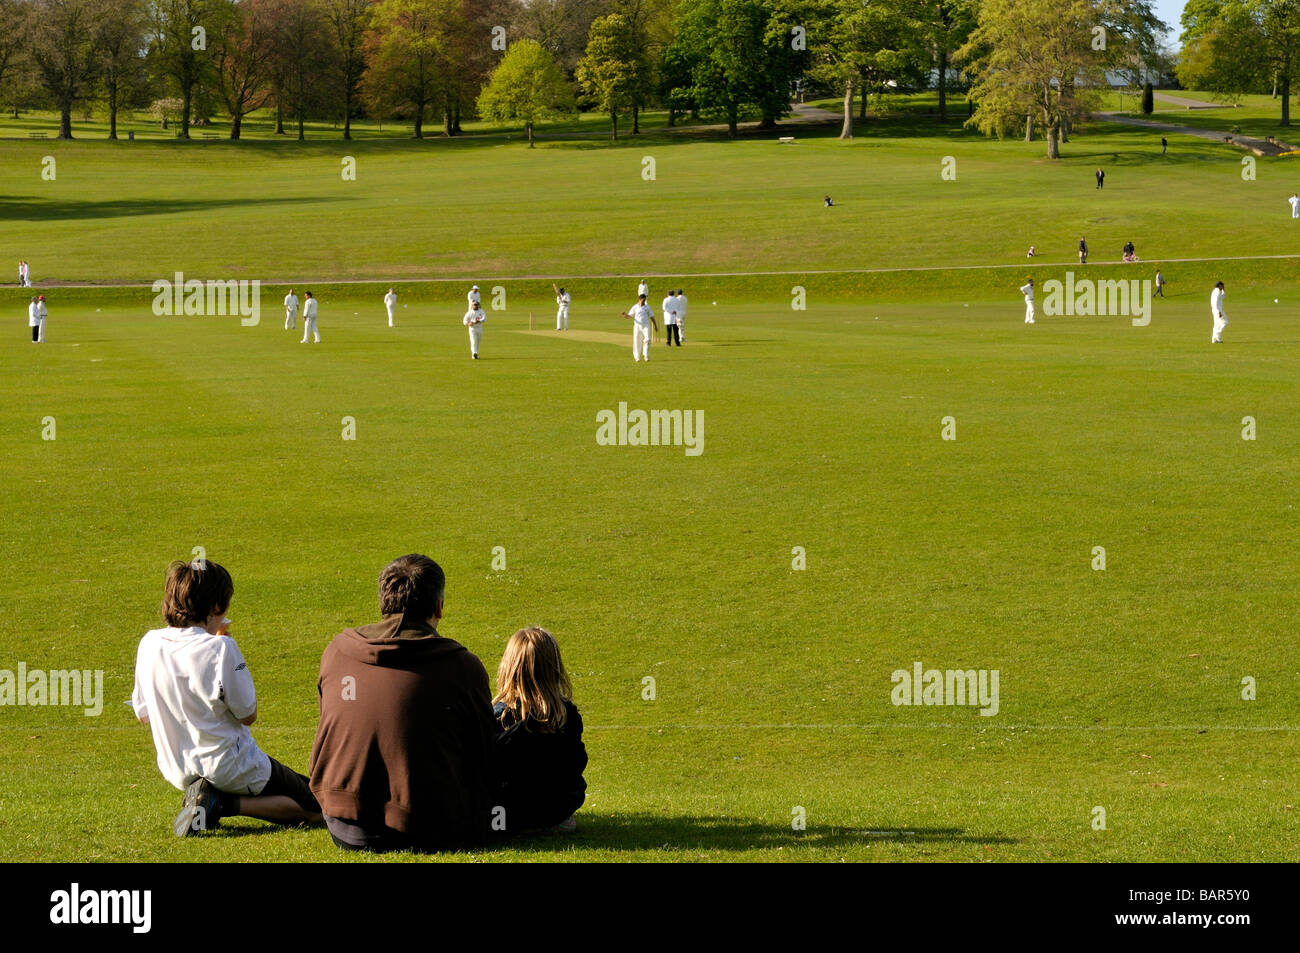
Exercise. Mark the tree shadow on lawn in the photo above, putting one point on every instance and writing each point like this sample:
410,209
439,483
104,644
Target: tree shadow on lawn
45,210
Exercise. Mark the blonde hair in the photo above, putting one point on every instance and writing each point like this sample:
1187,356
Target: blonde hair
531,680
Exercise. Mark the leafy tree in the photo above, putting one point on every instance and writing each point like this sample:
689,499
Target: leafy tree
408,57
242,50
348,20
527,85
179,49
121,67
62,36
612,72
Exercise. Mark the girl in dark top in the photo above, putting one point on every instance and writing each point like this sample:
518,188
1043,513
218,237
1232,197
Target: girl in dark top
539,751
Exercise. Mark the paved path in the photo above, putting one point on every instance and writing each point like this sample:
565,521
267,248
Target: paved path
1260,147
1187,103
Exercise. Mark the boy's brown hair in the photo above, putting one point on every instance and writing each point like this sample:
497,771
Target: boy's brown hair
412,586
195,591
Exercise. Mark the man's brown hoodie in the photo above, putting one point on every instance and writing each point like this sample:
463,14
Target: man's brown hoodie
406,733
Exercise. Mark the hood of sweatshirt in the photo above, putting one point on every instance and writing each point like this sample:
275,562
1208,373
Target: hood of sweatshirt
395,642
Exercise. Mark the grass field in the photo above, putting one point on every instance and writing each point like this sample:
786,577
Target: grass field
1120,689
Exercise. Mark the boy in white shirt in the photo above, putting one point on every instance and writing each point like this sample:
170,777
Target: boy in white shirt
643,319
193,690
390,302
290,311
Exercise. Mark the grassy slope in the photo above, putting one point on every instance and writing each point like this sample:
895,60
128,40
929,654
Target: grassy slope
822,431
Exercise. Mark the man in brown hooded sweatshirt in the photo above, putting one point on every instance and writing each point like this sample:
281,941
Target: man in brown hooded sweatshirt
402,755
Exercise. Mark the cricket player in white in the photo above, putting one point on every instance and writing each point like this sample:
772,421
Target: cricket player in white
309,328
643,319
290,311
681,317
561,309
34,320
473,320
41,314
390,302
669,307
473,298
1027,290
1295,205
643,290
1216,312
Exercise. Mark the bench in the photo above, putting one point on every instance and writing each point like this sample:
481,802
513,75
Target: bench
212,135
786,139
38,135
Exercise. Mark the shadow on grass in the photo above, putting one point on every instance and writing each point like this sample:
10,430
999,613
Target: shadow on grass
44,210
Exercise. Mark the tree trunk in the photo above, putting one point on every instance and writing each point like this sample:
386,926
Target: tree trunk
347,114
672,117
279,113
846,131
446,120
636,120
1029,127
302,135
65,118
187,97
455,118
528,127
733,120
1285,92
1053,136
236,121
112,110
943,83
613,118
419,121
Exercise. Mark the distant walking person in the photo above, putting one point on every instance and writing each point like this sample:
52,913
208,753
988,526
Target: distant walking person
643,319
1164,145
1216,312
561,308
1027,289
1083,251
473,320
1160,283
290,311
1295,205
309,328
1101,178
390,304
24,275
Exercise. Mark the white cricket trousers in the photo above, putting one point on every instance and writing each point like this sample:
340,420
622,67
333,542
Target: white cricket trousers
640,341
475,335
290,319
1219,324
390,317
562,319
1029,312
309,330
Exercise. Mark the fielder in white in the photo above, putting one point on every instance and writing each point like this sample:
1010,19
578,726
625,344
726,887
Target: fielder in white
473,320
1295,205
1027,290
390,302
643,319
34,320
669,307
643,290
681,317
561,309
309,328
41,314
1216,312
473,298
290,311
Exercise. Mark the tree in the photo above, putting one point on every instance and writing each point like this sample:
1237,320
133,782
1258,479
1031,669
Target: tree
13,49
300,51
612,72
1033,60
1242,46
527,85
242,50
348,20
407,52
63,35
946,25
121,67
562,27
179,48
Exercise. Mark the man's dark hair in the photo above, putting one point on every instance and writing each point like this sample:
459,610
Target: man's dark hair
411,586
195,591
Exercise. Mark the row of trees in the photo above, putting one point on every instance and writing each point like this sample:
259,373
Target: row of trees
1232,47
1030,62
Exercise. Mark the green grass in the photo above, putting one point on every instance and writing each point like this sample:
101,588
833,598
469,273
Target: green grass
1119,689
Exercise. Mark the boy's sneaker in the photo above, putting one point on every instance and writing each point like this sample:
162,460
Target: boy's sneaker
201,810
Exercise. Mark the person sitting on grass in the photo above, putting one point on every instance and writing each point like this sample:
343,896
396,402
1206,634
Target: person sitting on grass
827,202
194,691
540,756
1130,253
